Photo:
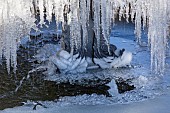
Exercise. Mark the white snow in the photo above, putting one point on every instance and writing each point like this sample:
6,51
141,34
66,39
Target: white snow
157,105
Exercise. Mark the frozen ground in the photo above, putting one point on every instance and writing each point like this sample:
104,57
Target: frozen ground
157,105
152,94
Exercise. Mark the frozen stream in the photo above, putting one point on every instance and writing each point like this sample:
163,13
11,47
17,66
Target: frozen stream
157,103
152,93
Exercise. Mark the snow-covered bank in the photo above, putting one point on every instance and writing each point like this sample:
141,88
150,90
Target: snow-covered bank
157,105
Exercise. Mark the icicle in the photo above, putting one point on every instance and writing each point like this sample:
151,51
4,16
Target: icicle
97,27
144,13
17,24
132,13
154,13
127,12
41,11
120,5
77,27
75,30
1,34
157,34
58,11
88,9
113,13
6,37
84,20
48,4
105,21
108,22
138,21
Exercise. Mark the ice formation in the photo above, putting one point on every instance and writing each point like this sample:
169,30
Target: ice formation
53,57
113,88
14,24
154,14
115,62
158,31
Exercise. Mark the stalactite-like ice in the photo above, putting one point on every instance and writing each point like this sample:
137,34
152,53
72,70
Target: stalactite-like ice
41,11
153,14
138,20
14,25
83,20
97,28
157,34
49,8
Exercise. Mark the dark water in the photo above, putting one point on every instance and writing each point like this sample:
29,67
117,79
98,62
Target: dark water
36,88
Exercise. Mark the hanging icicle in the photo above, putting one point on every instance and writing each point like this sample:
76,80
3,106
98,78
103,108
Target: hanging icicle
88,10
127,11
97,30
157,34
154,14
144,13
105,21
108,22
48,5
59,7
75,30
138,20
14,25
151,14
84,20
132,10
41,11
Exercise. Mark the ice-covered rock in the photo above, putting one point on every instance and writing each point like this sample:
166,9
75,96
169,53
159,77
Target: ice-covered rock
113,91
69,63
59,59
115,62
